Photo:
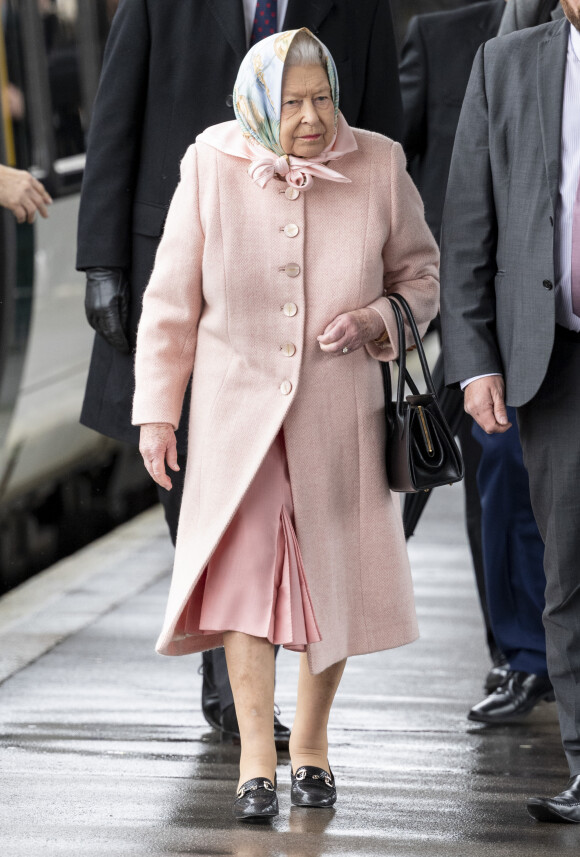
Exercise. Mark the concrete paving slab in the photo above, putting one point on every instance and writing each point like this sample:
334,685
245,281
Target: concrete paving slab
42,612
104,751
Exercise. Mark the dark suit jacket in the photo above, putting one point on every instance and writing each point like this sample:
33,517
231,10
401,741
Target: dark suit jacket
435,65
168,73
497,303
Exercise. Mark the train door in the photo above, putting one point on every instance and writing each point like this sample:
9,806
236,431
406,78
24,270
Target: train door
16,241
50,58
54,50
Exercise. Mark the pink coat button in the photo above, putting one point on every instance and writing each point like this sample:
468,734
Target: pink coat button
292,269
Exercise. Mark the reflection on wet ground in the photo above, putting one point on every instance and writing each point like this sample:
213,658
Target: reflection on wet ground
104,749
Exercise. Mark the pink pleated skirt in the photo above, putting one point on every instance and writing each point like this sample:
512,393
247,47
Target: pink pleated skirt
255,581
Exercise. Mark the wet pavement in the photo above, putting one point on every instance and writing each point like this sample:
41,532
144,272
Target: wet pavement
104,751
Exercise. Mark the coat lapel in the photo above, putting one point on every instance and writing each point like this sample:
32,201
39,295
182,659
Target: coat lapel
306,13
230,17
552,53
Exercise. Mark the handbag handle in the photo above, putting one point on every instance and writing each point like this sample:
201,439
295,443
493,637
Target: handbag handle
404,375
386,368
397,301
418,344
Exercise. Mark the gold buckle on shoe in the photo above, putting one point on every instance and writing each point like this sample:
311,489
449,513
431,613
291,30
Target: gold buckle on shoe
243,790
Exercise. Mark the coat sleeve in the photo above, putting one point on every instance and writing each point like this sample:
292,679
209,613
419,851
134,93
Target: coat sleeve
469,243
410,258
105,216
381,108
172,306
413,72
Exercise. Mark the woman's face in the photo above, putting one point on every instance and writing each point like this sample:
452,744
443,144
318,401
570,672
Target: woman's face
307,117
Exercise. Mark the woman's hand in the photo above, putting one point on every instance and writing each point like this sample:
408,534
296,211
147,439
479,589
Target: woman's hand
157,445
352,330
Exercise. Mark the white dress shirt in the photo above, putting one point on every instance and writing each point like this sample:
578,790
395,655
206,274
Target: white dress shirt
250,14
569,178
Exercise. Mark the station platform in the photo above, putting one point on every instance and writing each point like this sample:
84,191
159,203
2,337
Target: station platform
104,750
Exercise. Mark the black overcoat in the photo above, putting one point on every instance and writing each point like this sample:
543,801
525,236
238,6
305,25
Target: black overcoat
435,66
168,73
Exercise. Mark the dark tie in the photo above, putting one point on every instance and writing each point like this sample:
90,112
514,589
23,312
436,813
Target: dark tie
576,254
265,20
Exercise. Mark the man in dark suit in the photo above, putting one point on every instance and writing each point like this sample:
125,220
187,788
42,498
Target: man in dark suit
436,62
168,73
506,547
511,308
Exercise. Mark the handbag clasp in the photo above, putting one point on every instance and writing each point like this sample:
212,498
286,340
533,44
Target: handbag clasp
425,429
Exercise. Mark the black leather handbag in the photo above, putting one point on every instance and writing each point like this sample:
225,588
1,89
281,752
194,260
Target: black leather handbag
421,451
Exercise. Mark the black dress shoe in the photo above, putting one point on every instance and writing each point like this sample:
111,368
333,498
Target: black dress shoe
565,807
514,699
256,800
313,787
231,731
281,735
497,675
210,701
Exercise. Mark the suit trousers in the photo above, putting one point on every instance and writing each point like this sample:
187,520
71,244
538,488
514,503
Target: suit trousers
550,432
471,452
513,551
214,661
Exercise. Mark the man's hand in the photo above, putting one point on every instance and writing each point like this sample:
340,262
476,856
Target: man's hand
157,445
107,305
485,402
22,194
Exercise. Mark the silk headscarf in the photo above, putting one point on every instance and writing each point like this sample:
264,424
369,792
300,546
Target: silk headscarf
258,104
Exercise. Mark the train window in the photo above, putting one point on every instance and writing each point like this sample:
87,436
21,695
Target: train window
16,129
60,31
54,53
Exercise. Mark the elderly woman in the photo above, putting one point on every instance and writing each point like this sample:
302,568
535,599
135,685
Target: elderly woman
269,286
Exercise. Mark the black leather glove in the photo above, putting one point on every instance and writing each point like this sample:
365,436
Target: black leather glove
107,305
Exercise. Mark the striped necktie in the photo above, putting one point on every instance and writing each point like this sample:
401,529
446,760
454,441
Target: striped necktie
265,20
575,271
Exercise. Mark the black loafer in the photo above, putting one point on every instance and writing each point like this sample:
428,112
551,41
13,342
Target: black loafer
564,808
313,787
256,800
514,699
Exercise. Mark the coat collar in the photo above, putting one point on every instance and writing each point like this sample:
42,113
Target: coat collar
552,54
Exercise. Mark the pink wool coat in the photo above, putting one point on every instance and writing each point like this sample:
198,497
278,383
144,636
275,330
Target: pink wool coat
230,290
